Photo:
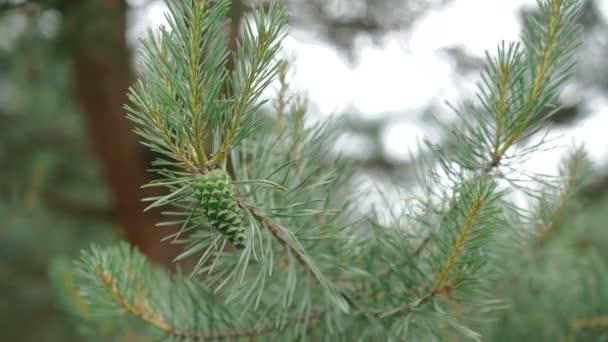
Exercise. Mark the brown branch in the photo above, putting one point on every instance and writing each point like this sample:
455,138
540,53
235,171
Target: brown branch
149,316
142,312
465,231
590,323
77,206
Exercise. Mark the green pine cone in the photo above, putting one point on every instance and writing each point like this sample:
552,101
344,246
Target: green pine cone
217,197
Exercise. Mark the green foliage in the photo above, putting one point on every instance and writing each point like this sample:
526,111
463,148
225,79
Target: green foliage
190,96
555,281
42,134
516,86
308,265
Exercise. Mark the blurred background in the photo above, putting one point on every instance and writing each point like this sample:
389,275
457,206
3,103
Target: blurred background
71,168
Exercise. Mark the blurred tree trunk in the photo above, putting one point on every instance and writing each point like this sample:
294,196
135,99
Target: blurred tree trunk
102,73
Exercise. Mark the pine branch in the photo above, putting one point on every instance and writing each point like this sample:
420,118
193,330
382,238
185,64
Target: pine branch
579,323
556,48
106,275
500,94
276,231
339,298
458,245
475,218
142,311
574,172
121,277
408,308
279,200
259,49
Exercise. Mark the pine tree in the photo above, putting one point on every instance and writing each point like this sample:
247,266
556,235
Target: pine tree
307,264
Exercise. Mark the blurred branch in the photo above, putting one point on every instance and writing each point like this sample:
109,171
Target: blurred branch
596,190
77,207
8,6
590,323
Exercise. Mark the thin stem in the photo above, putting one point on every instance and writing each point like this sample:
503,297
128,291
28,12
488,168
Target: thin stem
501,106
538,84
590,323
275,230
408,308
465,231
277,233
146,314
194,56
548,231
142,311
239,106
388,271
281,101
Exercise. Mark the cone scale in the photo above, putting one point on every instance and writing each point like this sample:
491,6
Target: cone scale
217,196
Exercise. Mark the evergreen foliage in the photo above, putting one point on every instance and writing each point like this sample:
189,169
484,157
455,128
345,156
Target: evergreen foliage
307,265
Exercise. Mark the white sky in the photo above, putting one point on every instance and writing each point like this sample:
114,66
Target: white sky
407,72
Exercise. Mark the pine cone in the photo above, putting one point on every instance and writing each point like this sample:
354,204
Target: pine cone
217,197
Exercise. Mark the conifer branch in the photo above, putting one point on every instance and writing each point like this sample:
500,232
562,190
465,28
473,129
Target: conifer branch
580,323
311,270
187,100
572,172
280,105
105,270
126,281
195,52
442,283
68,283
408,308
503,83
276,231
142,311
145,313
465,232
542,76
261,48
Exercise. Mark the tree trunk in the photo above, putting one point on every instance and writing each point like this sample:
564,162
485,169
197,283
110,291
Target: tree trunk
102,73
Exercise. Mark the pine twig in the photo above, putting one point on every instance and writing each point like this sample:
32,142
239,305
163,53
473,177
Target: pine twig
275,230
408,308
578,324
542,76
143,312
149,316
